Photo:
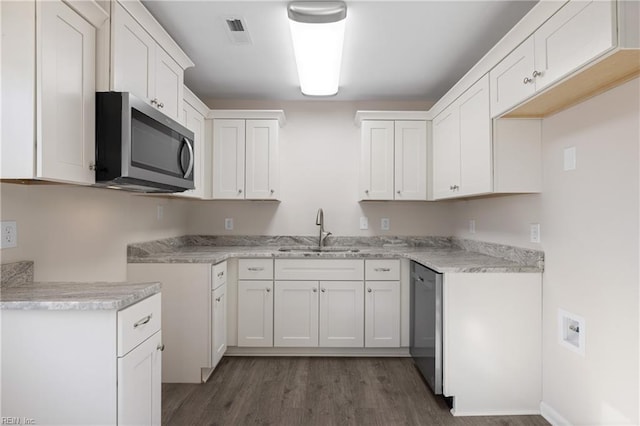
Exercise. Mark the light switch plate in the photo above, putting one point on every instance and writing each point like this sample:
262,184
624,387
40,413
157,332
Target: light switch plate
384,224
534,231
569,158
364,222
472,226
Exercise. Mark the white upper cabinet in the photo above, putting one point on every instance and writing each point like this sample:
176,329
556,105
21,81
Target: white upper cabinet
193,117
228,159
245,155
261,159
462,154
574,36
393,155
140,62
48,92
376,166
410,160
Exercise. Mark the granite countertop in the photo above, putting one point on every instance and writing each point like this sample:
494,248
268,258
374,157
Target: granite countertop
441,256
70,295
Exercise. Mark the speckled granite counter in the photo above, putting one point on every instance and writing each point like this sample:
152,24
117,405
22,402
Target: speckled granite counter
17,292
75,296
438,253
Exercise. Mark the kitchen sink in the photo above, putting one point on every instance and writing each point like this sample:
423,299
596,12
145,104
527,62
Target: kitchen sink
319,249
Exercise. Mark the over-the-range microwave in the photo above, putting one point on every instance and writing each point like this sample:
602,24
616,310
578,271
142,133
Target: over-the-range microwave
140,149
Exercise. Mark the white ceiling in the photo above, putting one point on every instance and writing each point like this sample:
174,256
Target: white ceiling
394,50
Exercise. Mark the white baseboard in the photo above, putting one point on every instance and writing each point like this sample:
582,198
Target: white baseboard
552,416
336,352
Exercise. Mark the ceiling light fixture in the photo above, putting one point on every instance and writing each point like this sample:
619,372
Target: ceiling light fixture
317,29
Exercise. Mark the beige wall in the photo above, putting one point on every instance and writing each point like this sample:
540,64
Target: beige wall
590,235
319,167
80,234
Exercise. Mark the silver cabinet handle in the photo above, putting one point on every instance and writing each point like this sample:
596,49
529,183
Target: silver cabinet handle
252,268
160,347
399,192
366,191
454,187
218,299
527,80
161,105
154,101
142,321
323,290
272,191
536,74
382,269
268,290
315,290
239,191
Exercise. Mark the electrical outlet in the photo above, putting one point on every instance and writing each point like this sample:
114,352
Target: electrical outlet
364,222
472,226
159,213
569,159
384,224
228,224
534,232
9,234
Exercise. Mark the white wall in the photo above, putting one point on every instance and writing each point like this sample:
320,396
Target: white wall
319,167
590,235
81,234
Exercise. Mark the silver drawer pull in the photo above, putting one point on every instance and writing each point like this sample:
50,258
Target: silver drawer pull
382,269
160,347
255,269
220,274
268,290
369,290
217,299
143,321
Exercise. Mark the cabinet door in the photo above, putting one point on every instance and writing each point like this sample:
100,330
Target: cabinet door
341,314
219,317
133,56
169,89
228,159
410,160
512,80
139,384
255,313
295,321
382,314
261,159
476,172
446,153
376,164
66,108
194,121
576,34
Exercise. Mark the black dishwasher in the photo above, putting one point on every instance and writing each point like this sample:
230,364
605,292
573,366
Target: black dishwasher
426,324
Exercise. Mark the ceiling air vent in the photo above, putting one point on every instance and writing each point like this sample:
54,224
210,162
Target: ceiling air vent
236,29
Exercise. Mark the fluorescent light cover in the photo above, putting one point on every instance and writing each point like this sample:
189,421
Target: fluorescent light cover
318,50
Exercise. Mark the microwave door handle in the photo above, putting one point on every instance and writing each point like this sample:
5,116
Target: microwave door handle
191,158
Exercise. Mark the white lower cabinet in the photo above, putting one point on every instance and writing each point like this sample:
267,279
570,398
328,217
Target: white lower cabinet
296,313
140,383
341,308
382,303
219,314
188,306
255,302
83,367
382,314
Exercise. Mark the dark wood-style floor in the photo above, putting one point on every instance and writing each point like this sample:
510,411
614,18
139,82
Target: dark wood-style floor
315,391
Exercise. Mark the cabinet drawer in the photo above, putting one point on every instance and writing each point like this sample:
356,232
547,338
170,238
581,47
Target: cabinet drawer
382,270
319,269
255,269
219,273
137,322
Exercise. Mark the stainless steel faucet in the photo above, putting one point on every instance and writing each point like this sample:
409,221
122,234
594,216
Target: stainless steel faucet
323,235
